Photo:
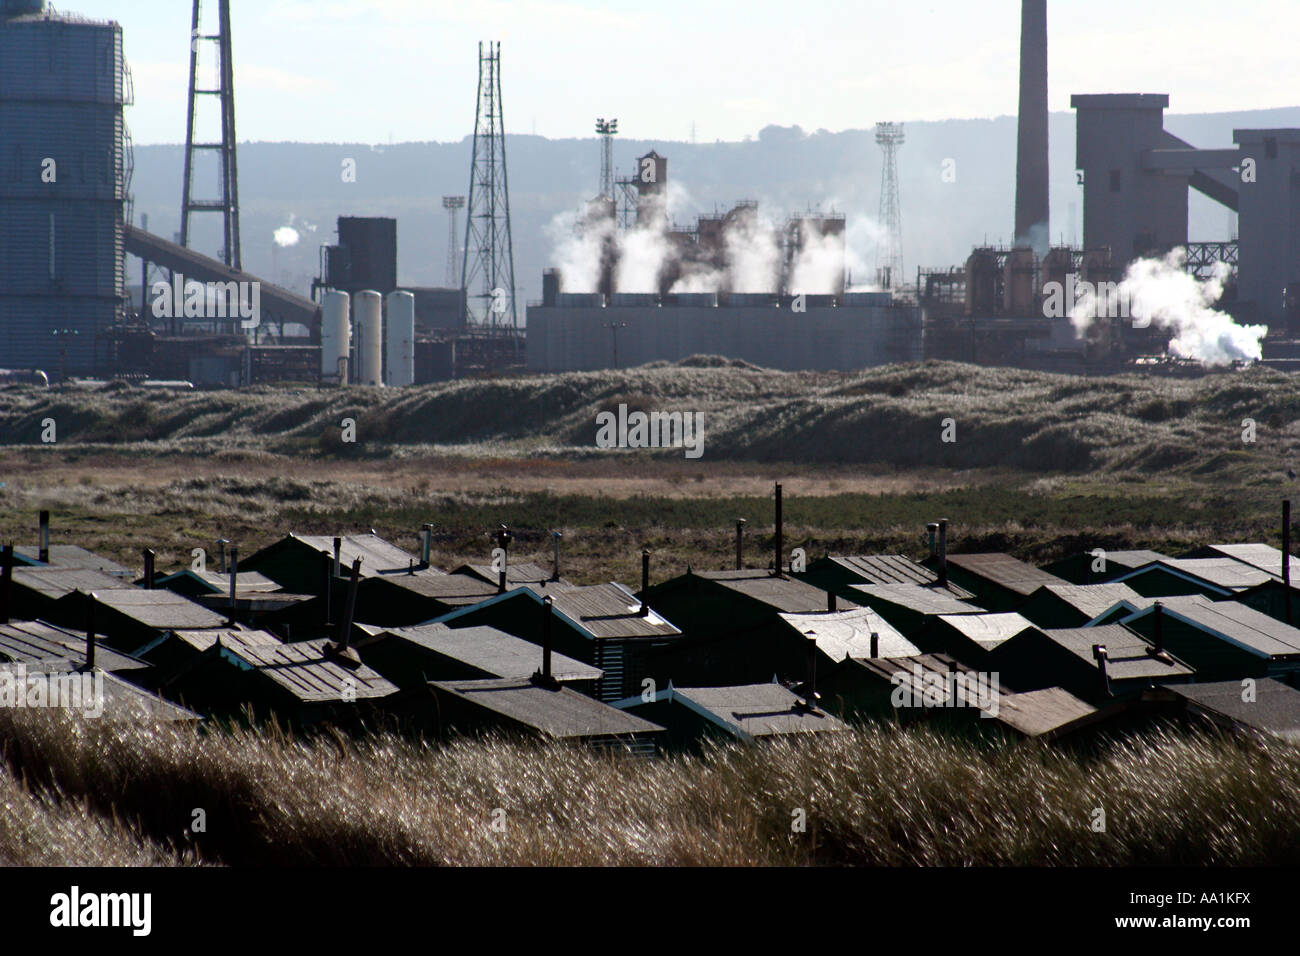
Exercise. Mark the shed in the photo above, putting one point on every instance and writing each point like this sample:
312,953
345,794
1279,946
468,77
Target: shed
129,618
839,573
174,651
71,556
1073,605
906,689
36,588
534,709
299,683
28,642
601,625
849,633
1268,708
525,572
193,584
999,581
297,561
96,694
1063,657
747,712
1078,568
1046,714
1222,640
1212,577
413,656
909,606
1263,557
1271,598
733,626
970,637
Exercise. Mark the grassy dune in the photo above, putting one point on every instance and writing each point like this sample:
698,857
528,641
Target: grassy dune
99,793
1032,421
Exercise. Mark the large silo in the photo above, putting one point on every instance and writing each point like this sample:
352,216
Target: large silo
63,171
367,314
335,337
401,338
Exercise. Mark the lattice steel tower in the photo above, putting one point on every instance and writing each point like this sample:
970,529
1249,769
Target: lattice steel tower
489,258
607,130
889,251
227,201
452,204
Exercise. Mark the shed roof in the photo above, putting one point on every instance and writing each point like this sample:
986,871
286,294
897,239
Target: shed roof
54,582
218,583
1275,709
756,710
201,640
1237,623
848,634
122,701
30,641
160,609
377,555
560,714
1039,712
1227,574
451,589
782,593
926,675
1089,599
1005,571
304,671
915,597
609,610
73,556
988,630
524,572
885,568
488,649
1265,557
1129,655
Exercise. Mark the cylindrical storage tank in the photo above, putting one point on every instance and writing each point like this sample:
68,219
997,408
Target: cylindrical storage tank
401,338
335,337
981,283
368,316
1018,285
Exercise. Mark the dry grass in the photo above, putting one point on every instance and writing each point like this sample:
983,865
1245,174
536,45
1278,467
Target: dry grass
878,796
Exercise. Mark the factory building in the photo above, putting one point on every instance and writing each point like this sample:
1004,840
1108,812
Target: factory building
64,182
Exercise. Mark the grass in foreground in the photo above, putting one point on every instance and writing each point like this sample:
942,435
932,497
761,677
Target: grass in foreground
95,792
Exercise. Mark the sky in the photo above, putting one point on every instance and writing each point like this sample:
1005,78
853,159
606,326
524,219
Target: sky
379,71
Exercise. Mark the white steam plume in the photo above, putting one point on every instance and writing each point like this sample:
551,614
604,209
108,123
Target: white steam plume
286,236
1162,293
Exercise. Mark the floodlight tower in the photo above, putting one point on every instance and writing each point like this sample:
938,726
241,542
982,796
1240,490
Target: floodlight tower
607,129
452,204
889,252
489,256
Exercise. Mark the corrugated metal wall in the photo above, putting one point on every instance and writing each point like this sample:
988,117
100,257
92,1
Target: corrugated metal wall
62,89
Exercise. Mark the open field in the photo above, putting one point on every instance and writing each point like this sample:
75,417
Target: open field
872,797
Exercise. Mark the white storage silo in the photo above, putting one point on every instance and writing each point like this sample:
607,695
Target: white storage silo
401,338
335,337
368,314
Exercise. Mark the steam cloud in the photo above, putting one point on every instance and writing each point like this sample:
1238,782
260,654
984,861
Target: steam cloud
286,236
1162,293
752,250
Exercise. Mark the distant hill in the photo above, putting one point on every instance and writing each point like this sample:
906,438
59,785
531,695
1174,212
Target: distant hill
785,168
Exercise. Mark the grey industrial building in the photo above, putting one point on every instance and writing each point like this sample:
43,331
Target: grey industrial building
64,183
571,332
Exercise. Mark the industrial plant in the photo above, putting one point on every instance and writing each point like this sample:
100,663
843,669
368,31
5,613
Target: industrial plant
761,286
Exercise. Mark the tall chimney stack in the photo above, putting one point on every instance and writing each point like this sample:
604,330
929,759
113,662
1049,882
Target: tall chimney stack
779,544
1032,208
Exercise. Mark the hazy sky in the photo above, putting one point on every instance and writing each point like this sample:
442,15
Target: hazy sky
374,70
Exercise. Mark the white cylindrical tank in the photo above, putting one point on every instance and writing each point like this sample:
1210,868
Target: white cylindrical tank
335,336
368,314
401,338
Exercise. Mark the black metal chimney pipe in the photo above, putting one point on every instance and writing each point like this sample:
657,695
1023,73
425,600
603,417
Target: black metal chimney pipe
327,566
740,543
43,555
1158,629
148,569
1286,555
830,602
875,645
234,571
1101,657
345,635
90,631
932,529
426,544
779,543
6,582
810,682
548,608
943,552
645,582
555,543
221,555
